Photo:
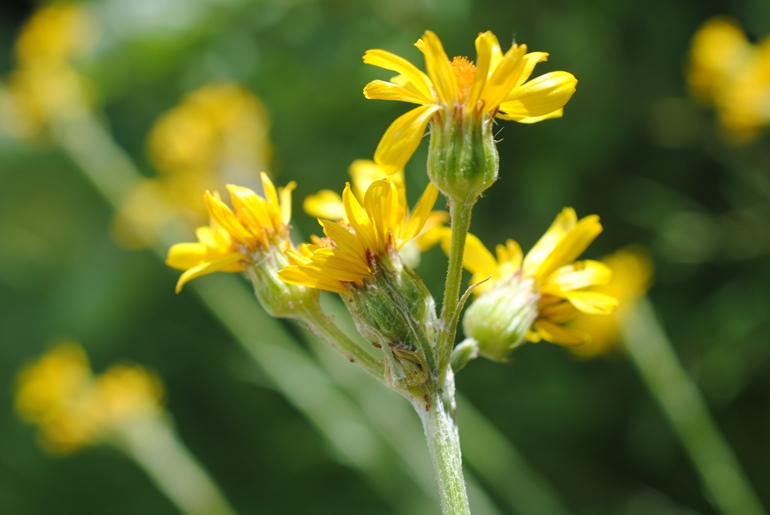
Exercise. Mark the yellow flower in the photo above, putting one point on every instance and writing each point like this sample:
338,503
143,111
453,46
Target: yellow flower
375,229
495,85
59,394
631,277
328,204
732,74
236,238
548,277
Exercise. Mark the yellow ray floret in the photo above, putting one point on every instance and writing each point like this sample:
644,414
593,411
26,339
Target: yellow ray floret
561,283
495,85
375,227
236,236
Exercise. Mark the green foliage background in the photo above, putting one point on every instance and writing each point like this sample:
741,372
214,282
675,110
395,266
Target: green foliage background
631,147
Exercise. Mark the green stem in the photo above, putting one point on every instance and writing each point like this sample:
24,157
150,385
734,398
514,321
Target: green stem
327,330
461,222
443,438
688,414
152,444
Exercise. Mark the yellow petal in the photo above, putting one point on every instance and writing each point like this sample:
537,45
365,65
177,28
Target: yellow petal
557,334
510,254
484,44
580,274
359,219
402,138
529,61
389,61
364,172
564,221
571,246
186,255
325,204
476,258
381,90
209,268
591,302
344,239
439,69
503,77
224,218
539,97
421,213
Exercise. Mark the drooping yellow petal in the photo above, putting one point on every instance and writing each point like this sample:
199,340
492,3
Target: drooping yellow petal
402,138
381,90
421,212
580,274
208,268
186,255
555,333
591,302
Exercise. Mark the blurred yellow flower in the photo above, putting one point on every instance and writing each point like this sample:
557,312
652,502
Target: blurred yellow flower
217,135
729,72
495,85
44,84
59,394
350,251
236,238
631,276
547,276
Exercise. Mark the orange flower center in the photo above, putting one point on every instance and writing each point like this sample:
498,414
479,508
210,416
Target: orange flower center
465,72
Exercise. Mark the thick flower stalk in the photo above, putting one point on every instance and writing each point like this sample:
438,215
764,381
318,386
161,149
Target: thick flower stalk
528,298
460,99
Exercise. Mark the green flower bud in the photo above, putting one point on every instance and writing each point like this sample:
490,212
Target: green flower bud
462,157
500,318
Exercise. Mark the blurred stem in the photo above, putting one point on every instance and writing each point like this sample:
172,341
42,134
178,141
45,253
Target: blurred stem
461,222
152,443
680,399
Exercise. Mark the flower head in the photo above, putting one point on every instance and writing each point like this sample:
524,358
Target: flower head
327,204
495,85
72,408
238,237
374,231
549,284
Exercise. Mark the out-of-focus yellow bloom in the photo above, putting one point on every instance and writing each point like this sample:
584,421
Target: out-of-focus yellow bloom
631,276
729,72
217,135
44,84
558,285
495,85
237,238
327,204
377,228
59,394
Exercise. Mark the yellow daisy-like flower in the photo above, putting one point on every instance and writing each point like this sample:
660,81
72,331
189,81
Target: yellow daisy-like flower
495,85
381,225
236,238
548,278
327,204
631,277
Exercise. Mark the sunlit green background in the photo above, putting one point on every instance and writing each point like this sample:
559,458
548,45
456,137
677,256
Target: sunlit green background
632,147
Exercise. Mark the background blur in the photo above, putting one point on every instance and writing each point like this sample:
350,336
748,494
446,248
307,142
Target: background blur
632,147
